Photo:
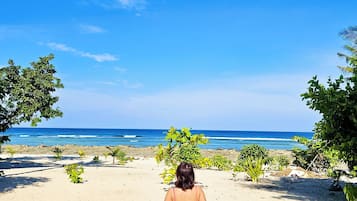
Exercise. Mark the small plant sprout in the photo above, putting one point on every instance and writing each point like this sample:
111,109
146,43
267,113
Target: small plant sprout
58,153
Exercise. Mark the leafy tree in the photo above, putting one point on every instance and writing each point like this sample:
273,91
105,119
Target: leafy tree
3,139
117,153
254,151
26,94
337,103
351,60
182,146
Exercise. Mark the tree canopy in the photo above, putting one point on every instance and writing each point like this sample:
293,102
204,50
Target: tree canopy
337,103
26,94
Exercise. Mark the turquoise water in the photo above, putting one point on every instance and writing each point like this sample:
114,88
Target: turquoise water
149,137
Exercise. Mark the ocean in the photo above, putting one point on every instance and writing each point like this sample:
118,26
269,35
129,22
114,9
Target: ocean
218,139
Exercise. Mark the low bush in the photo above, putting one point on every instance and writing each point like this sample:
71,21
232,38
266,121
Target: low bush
253,151
96,159
254,168
221,162
58,153
350,192
11,151
81,153
74,171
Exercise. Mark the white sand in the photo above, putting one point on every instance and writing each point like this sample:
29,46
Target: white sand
40,178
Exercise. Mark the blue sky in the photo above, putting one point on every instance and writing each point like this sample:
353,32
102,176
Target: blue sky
233,65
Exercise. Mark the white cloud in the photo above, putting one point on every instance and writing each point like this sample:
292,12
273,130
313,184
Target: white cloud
253,103
91,28
120,4
129,4
120,69
130,85
122,83
97,57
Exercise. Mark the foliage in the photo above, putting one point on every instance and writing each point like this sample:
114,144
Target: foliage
221,162
254,151
182,146
203,162
96,159
351,60
283,161
81,153
4,139
337,130
117,153
350,191
26,94
74,172
11,151
254,168
168,174
58,153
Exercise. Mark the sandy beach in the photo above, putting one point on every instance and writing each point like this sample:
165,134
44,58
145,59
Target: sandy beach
34,175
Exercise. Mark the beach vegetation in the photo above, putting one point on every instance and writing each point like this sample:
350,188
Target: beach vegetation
81,153
26,94
58,153
336,102
350,191
221,162
203,162
254,168
182,146
117,153
74,172
11,151
282,161
254,151
168,174
3,139
96,159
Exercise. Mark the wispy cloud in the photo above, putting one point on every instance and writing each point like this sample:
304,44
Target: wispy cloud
130,85
97,57
130,4
123,83
245,104
86,28
137,5
120,69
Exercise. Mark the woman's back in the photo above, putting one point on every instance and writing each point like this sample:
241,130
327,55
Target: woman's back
177,194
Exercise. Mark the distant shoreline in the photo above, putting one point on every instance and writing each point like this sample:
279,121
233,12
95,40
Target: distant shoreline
146,138
146,152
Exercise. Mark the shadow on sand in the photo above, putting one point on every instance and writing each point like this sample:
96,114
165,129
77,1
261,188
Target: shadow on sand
313,189
10,183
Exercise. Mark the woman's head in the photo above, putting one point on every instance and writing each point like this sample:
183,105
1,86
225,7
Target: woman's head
185,176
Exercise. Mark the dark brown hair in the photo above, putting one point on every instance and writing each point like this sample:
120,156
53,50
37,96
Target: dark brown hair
185,176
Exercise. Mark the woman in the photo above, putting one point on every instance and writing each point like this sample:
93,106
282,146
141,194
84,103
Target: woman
185,189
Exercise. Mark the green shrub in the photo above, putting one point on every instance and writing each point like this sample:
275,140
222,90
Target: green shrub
253,151
58,153
11,151
74,171
254,168
203,162
282,161
350,192
182,146
221,162
96,159
168,174
81,153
